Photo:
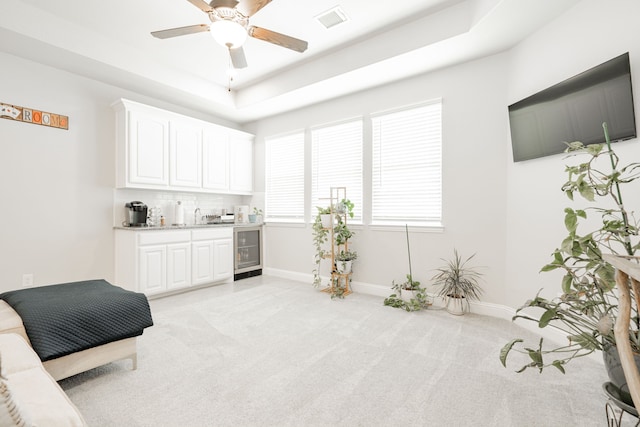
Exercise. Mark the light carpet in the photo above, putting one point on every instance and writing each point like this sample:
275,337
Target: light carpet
273,352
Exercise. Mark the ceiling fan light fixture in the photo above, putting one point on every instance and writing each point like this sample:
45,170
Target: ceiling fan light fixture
228,33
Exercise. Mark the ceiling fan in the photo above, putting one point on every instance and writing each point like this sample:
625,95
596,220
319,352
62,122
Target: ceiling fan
230,27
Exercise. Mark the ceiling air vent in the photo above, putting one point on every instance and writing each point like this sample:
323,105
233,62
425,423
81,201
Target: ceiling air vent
332,17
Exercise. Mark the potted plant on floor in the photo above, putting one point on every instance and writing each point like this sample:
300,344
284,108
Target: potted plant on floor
458,284
589,303
408,295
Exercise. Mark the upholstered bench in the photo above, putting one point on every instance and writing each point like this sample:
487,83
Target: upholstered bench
29,396
74,327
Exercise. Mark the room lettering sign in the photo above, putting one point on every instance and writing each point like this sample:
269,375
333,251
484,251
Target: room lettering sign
33,116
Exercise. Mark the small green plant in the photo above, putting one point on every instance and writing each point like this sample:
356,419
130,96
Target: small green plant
347,256
323,211
257,211
337,290
420,298
342,233
345,206
320,237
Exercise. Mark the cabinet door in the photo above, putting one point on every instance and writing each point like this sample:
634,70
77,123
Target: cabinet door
148,149
202,262
185,154
241,164
222,259
153,269
215,160
178,265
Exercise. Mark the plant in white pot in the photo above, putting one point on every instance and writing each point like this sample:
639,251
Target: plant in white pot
408,295
458,284
344,261
325,217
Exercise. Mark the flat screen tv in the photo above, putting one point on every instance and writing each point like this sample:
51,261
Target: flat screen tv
574,110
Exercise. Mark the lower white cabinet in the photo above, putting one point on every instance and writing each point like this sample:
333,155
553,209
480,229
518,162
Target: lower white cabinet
222,253
178,265
153,267
212,255
156,262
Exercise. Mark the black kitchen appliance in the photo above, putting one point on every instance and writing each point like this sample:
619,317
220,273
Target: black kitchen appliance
135,214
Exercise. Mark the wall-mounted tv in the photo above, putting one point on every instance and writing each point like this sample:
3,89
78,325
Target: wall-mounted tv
574,110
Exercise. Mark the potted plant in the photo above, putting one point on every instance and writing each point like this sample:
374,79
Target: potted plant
458,283
344,261
341,232
408,295
589,303
256,216
344,207
324,216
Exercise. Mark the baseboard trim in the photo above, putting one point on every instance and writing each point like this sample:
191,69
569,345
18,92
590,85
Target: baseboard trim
478,307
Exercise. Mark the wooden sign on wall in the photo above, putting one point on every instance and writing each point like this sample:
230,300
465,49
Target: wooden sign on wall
36,117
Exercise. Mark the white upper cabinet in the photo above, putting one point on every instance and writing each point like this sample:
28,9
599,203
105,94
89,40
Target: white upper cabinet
215,156
241,164
185,154
159,149
148,149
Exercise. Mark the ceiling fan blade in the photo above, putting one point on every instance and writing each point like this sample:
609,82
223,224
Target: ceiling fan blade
250,7
202,5
237,57
223,3
277,38
180,31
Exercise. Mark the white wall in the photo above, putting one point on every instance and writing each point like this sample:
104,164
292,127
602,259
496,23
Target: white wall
588,34
474,179
511,214
56,186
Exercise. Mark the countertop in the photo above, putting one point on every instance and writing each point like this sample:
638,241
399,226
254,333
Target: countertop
186,227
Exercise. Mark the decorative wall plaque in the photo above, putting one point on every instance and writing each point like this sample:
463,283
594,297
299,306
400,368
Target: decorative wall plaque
36,117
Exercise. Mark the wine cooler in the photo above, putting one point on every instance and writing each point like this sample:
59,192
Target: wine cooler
248,252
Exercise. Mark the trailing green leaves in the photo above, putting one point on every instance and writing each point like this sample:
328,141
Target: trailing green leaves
588,282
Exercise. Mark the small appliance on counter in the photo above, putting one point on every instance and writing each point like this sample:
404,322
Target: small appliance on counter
178,214
135,214
227,218
241,214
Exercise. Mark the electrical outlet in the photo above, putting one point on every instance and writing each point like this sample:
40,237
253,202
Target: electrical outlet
27,280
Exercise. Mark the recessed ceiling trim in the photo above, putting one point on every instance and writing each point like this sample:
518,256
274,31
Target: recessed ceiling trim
332,17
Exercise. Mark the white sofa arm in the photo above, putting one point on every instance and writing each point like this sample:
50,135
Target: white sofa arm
36,395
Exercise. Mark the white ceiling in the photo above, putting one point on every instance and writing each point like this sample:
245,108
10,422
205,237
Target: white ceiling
381,42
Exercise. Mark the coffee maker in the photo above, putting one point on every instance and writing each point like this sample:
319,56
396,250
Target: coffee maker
135,214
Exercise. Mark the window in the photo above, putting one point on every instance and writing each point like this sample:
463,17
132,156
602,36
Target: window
407,166
285,178
337,162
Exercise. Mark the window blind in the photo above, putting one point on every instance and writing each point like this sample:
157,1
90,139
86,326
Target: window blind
284,183
337,162
407,166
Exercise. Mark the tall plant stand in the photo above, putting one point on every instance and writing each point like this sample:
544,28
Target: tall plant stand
340,282
628,283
